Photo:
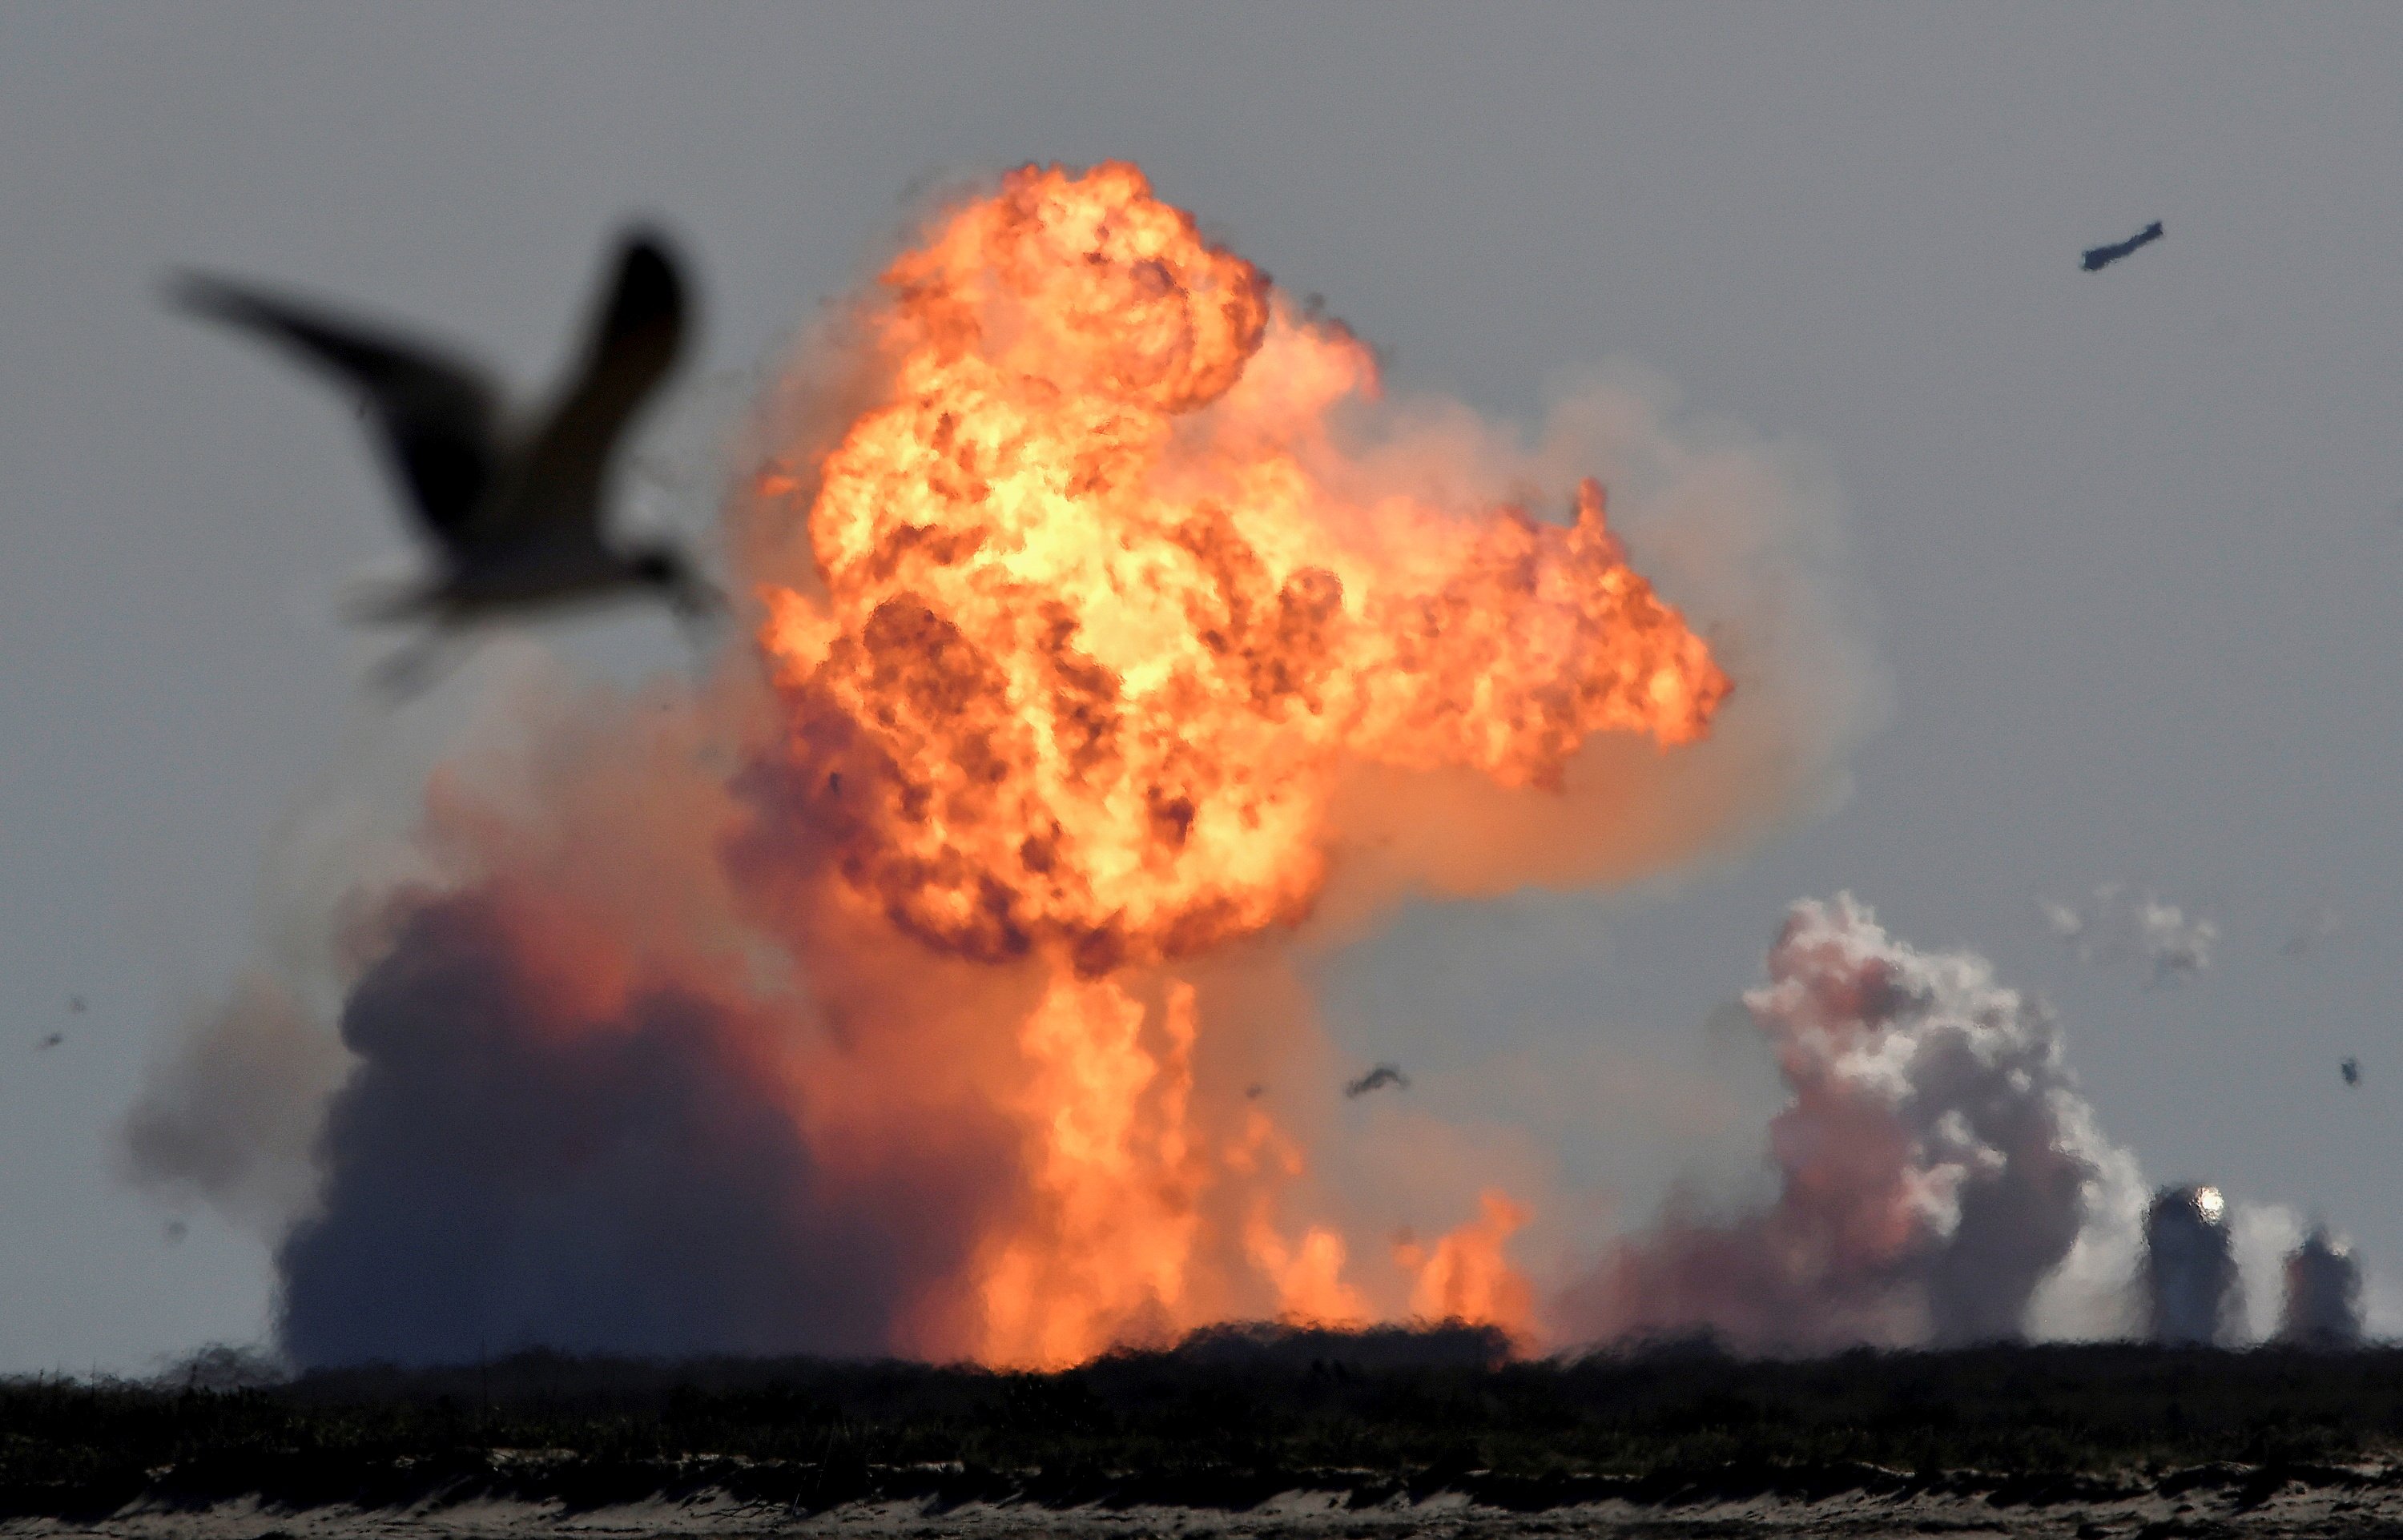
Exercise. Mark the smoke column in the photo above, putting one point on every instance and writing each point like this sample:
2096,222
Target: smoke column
2323,1303
899,990
1934,1163
2191,1292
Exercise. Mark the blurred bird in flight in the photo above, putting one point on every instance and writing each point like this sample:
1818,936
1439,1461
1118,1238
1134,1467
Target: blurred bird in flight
514,511
1377,1079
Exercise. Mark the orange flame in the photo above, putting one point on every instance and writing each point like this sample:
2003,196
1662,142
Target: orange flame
1102,619
1464,1276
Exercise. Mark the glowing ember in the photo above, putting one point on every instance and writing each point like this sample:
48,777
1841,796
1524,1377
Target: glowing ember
1100,623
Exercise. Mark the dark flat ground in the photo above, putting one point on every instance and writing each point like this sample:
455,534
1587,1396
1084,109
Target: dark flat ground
1387,1432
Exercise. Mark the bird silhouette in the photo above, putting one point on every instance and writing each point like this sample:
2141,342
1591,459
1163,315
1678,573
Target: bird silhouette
53,1040
1377,1079
2099,258
2351,1070
514,511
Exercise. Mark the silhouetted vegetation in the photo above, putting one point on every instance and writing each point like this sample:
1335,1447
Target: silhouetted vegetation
1226,1417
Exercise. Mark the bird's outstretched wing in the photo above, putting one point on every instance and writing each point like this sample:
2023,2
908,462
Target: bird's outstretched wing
437,418
636,338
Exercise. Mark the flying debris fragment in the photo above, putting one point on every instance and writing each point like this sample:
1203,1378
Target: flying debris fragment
2351,1070
1377,1079
2100,257
53,1040
514,518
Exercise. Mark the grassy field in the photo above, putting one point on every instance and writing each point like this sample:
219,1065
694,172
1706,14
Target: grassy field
1222,1419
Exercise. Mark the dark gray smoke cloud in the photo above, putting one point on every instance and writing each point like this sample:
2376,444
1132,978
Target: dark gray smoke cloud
2192,1293
498,1174
1935,1162
2323,1304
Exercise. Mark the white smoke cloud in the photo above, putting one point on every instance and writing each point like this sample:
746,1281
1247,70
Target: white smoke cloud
1937,1179
2091,1295
1935,1165
2118,924
2262,1236
2382,1307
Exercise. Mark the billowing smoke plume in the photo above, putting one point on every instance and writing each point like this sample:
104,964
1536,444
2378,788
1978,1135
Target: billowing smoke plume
2323,1303
2172,945
1935,1162
900,990
502,1172
2192,1293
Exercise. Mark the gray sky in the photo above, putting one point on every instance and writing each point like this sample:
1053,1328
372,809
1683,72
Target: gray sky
2130,538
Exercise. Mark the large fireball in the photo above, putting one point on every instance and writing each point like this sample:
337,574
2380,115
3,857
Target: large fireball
1101,631
937,997
1095,632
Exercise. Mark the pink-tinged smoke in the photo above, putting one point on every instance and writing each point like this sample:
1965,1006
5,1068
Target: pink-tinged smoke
1934,1164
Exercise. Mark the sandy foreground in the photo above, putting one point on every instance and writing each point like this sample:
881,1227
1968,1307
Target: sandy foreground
2213,1501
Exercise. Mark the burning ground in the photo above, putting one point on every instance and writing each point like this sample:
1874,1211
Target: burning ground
901,990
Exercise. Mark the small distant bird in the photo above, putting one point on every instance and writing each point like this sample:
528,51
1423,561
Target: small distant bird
1377,1079
2351,1070
514,511
2099,258
53,1040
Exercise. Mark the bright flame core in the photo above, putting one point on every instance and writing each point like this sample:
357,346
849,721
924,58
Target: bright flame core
1104,617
